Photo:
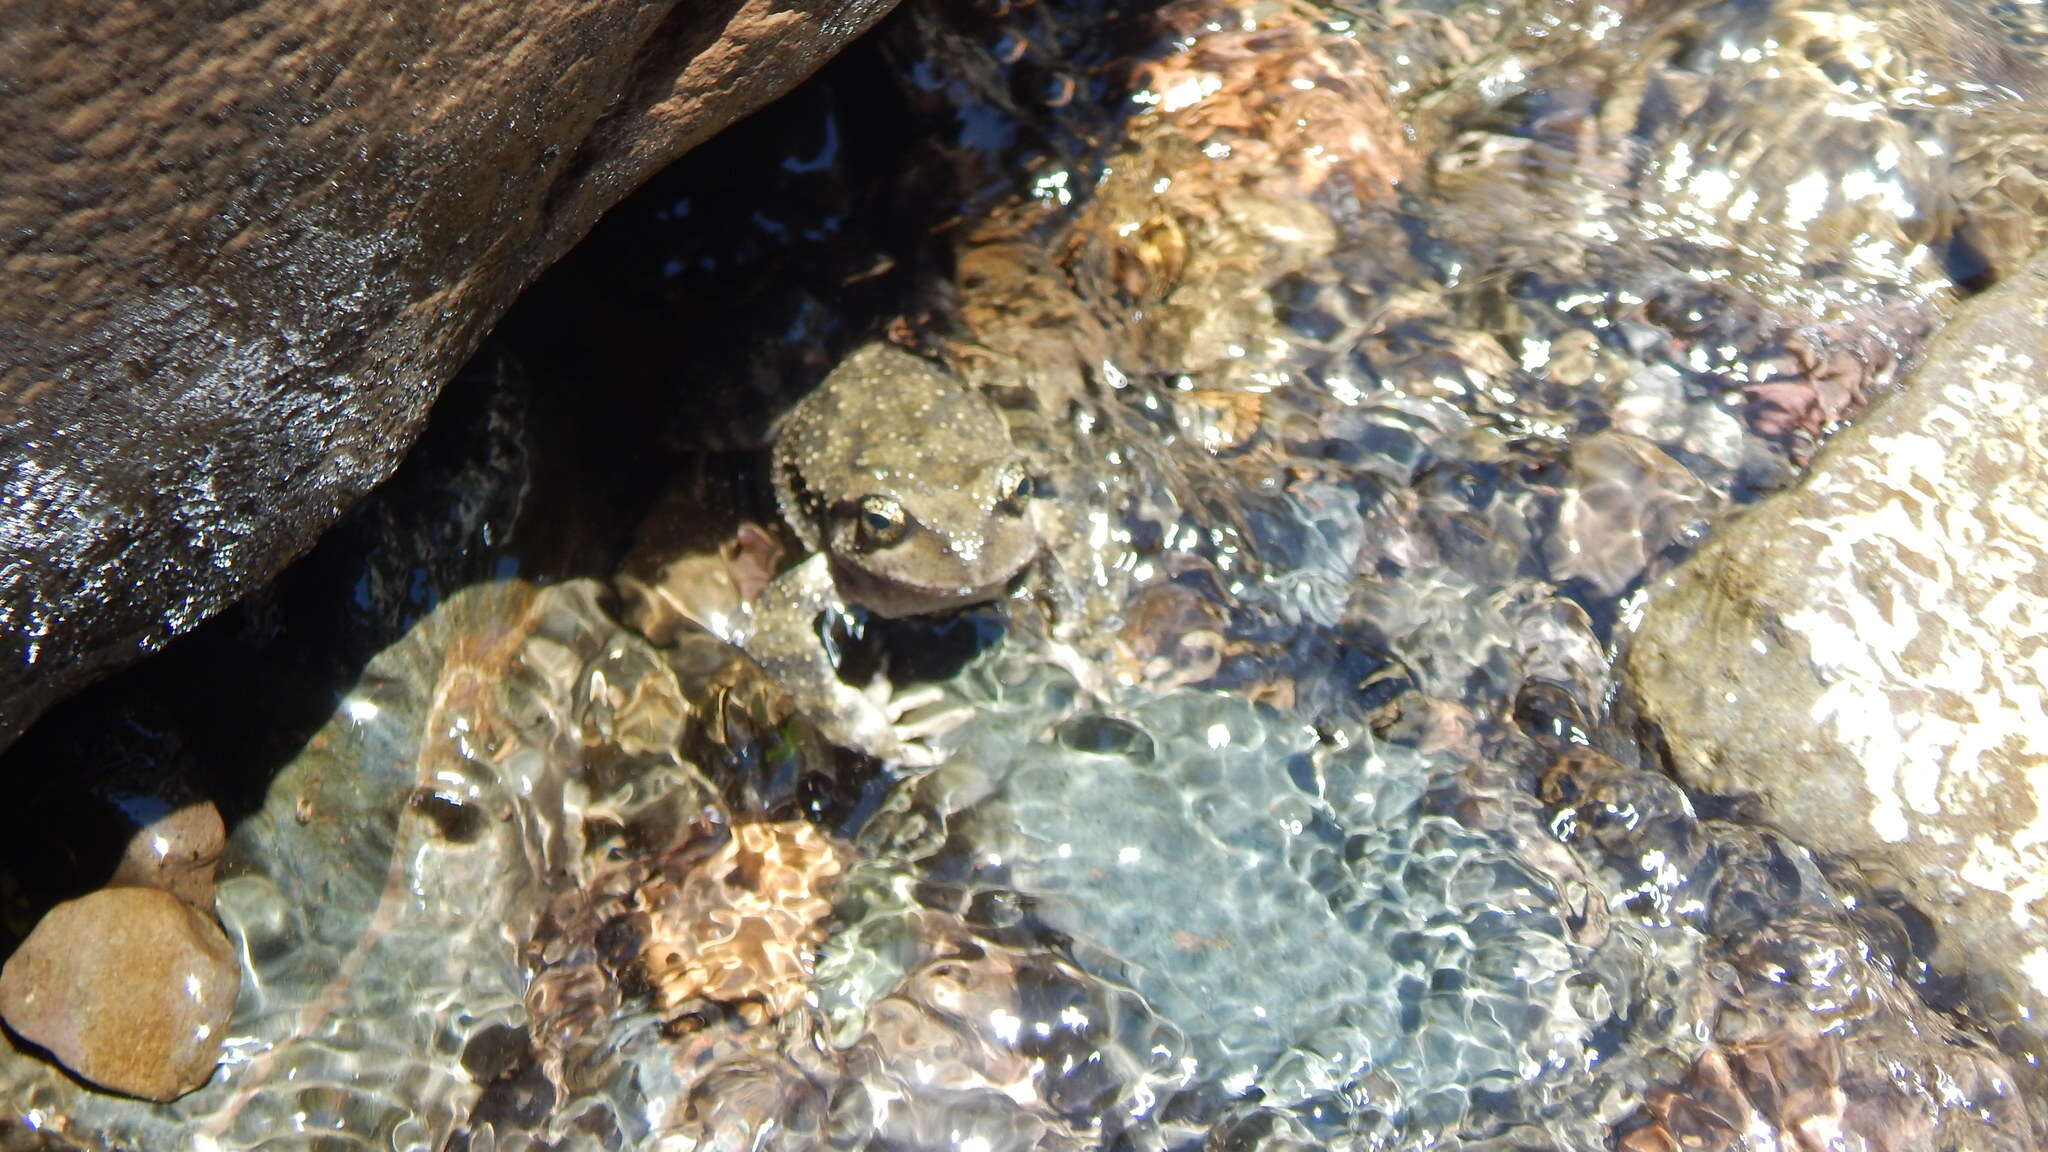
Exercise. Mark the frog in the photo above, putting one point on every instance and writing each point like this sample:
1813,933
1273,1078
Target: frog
907,497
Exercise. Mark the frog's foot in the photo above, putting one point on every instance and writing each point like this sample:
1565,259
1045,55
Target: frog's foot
891,725
782,635
914,724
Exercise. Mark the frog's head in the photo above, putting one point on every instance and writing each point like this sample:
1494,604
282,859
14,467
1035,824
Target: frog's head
908,549
907,481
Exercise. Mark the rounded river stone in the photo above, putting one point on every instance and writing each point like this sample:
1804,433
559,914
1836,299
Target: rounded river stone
129,988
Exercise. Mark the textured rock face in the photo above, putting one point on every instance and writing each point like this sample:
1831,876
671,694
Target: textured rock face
127,987
244,243
1868,653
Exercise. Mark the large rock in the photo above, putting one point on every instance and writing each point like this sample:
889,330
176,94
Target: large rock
243,243
128,987
1868,652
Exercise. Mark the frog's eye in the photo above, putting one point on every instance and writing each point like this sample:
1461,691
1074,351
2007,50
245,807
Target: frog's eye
882,521
1015,486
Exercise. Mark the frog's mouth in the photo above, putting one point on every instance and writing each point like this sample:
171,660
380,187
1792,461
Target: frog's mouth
895,599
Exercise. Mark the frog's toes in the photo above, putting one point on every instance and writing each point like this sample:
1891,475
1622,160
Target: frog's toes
901,704
881,694
911,722
934,724
914,754
903,710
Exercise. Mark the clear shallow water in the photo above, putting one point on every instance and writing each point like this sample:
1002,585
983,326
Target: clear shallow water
1298,811
1318,938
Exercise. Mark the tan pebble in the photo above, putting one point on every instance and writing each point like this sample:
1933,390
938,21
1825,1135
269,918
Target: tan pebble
176,852
740,927
129,988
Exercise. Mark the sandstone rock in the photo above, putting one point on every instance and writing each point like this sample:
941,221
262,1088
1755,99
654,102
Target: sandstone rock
176,850
127,987
1867,653
244,245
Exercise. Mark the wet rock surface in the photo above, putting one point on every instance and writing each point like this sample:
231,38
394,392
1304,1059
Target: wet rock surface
130,988
246,245
1862,653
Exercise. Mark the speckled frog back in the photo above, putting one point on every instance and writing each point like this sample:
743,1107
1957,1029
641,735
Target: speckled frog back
884,418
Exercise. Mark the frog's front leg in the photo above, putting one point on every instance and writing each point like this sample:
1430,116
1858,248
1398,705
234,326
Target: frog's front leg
783,633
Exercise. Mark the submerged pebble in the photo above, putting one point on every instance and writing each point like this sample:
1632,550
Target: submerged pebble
1627,500
1803,1089
176,851
738,928
1818,1029
127,987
